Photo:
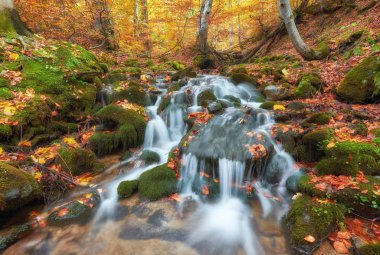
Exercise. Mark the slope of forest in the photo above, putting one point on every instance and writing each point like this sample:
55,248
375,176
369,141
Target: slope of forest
103,144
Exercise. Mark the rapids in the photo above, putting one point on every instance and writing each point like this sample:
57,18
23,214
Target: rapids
231,222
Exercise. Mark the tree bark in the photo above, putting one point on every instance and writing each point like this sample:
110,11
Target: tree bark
288,19
10,20
202,35
145,31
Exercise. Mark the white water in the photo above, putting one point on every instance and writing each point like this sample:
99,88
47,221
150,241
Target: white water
226,226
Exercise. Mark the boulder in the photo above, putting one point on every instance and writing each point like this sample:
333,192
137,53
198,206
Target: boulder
17,188
276,93
214,107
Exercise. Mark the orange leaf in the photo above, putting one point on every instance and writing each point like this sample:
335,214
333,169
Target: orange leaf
340,247
344,235
309,238
63,212
205,190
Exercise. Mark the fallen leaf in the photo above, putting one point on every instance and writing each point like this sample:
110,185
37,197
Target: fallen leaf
309,238
340,247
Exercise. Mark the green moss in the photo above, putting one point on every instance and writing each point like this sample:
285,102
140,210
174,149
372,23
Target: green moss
176,65
307,217
127,188
174,87
17,188
120,140
157,183
305,89
5,132
358,86
313,144
150,157
203,61
241,69
319,118
6,24
116,115
76,161
316,137
322,50
206,97
365,204
165,102
132,63
238,78
5,94
268,105
347,158
313,78
134,94
370,249
376,132
360,128
4,82
298,106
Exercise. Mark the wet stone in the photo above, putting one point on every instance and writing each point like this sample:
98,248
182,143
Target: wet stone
157,218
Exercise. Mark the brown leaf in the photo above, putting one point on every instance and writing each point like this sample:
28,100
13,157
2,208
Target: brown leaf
340,247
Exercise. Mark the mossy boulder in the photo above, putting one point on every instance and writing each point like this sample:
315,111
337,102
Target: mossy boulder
157,183
127,188
358,86
320,118
362,203
296,106
322,50
165,102
5,132
369,249
309,217
268,105
135,93
17,188
349,42
150,157
204,61
14,234
313,143
348,158
304,90
360,128
206,97
314,79
238,78
76,161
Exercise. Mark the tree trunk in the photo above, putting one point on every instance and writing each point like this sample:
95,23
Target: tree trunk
10,21
106,25
145,32
288,19
136,19
202,35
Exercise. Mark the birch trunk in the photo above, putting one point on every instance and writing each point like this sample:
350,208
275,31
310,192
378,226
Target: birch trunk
288,19
202,34
10,20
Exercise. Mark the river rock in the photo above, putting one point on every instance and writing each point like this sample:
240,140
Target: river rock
214,107
292,182
275,93
10,236
17,188
326,249
73,212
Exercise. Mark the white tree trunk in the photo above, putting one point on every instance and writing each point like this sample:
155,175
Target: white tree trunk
202,35
4,4
288,19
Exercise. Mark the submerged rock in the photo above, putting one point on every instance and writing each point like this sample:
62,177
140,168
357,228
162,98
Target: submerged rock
127,188
214,107
14,234
150,157
73,212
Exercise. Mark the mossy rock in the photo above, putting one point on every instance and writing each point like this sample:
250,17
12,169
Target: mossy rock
350,42
369,249
165,102
320,118
348,158
17,188
365,204
127,188
304,90
296,106
314,79
116,116
5,132
240,69
203,61
176,65
122,139
76,161
360,128
234,100
150,157
268,105
77,213
188,72
14,234
206,97
132,62
6,24
134,94
307,217
157,183
318,136
238,78
376,132
358,86
322,50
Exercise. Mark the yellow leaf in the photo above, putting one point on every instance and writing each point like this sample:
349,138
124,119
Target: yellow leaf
285,72
38,176
330,145
69,140
1,151
9,110
143,77
279,107
13,56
